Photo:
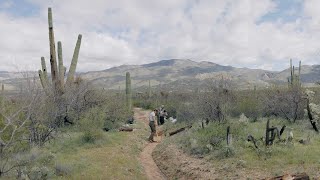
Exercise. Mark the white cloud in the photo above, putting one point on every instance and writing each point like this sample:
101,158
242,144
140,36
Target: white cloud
142,31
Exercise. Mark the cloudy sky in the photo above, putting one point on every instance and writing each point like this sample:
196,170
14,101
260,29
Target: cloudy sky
243,33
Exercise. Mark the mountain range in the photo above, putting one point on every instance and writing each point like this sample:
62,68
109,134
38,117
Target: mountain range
186,73
179,73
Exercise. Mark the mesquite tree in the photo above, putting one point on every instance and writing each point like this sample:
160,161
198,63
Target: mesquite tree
215,102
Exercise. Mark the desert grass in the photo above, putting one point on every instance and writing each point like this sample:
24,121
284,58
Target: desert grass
113,156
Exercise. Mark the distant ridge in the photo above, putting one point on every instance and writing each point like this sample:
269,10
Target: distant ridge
176,74
173,71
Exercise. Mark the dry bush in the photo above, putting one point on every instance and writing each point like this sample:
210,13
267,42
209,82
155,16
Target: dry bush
214,103
287,103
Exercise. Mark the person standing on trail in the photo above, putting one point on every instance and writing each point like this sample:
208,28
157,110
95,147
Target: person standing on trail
159,113
163,113
152,124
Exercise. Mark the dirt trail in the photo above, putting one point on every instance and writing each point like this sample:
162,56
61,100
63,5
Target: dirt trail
151,169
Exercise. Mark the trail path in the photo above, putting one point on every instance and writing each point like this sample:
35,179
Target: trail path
151,169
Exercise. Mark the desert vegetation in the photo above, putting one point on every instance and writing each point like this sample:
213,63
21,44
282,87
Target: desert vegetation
273,130
62,126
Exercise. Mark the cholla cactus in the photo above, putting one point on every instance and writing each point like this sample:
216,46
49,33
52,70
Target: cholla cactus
57,74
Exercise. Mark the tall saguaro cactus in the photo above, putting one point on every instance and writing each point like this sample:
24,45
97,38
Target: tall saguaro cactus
58,74
53,57
128,91
294,79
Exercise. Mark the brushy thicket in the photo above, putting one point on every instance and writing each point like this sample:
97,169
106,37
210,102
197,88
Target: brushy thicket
32,119
218,105
111,114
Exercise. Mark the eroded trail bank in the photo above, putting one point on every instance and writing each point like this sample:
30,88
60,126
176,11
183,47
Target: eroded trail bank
151,169
178,165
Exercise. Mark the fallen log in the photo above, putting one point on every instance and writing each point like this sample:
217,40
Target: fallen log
179,130
302,176
125,129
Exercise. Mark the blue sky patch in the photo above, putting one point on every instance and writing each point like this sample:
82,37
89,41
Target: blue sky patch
19,8
286,11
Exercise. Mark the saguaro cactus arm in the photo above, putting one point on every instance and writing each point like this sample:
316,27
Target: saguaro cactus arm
74,61
43,82
44,70
61,67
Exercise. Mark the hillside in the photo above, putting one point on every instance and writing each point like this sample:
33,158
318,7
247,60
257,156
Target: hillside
175,74
180,73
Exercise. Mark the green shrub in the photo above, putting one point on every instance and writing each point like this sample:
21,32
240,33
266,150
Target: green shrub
39,173
212,139
226,152
115,113
91,136
249,106
91,125
145,104
62,169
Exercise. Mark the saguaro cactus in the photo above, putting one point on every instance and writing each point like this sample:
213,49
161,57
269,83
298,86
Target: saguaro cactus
2,96
53,58
299,80
149,90
58,75
128,91
294,79
291,72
